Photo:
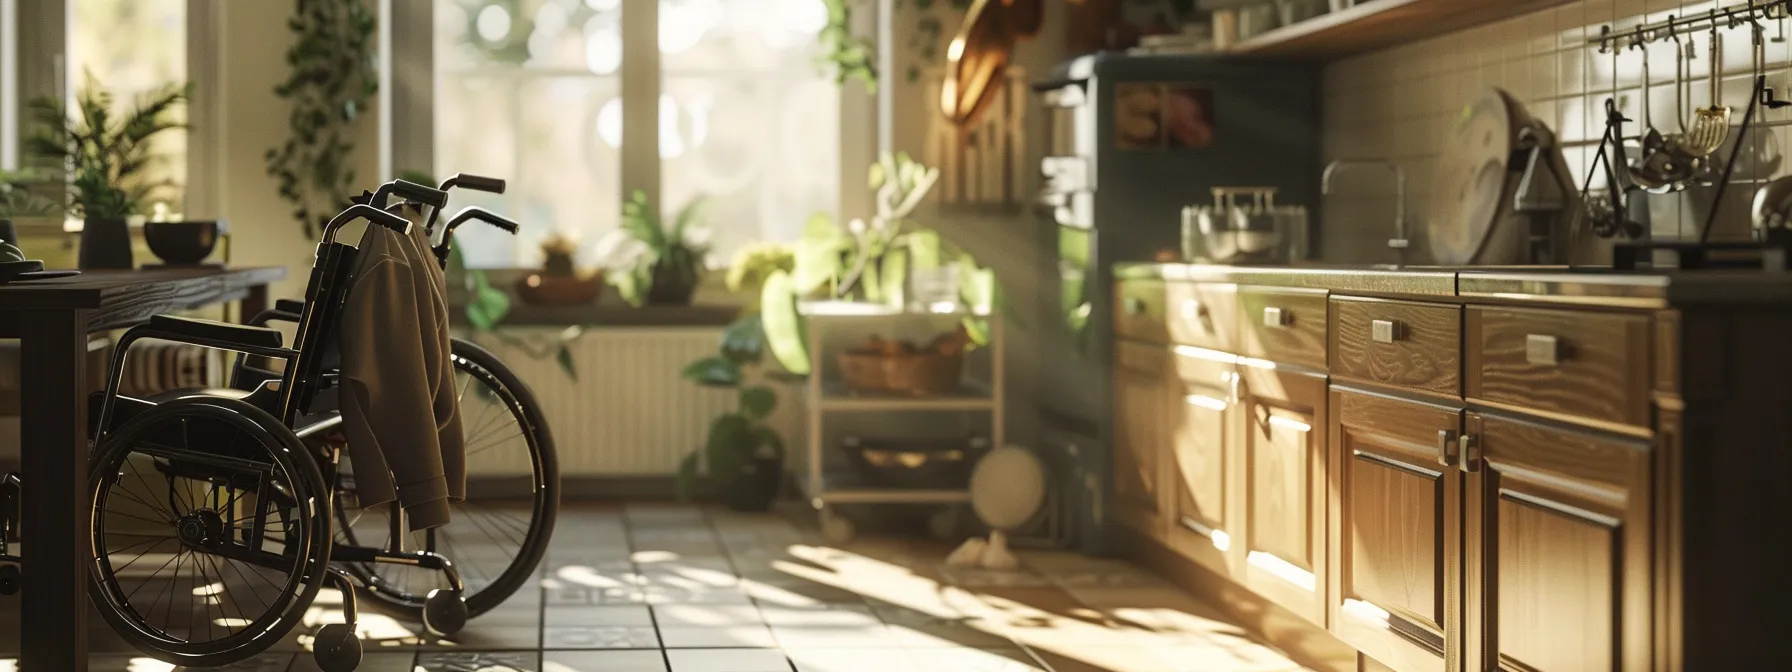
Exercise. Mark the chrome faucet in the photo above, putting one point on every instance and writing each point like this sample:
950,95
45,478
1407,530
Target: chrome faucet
1399,242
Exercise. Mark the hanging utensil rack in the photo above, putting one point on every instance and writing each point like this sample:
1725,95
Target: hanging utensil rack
1726,17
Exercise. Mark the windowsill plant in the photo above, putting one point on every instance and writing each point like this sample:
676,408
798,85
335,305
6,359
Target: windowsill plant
650,263
106,158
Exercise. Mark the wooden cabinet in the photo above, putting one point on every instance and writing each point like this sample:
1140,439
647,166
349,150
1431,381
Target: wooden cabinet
1283,325
1139,311
1143,383
1410,345
1559,548
1577,365
1283,482
1396,530
1205,515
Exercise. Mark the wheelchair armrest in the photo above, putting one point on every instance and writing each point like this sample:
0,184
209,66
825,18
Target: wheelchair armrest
264,317
210,330
289,306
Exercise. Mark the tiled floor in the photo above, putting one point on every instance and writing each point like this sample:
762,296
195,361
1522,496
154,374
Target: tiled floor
681,589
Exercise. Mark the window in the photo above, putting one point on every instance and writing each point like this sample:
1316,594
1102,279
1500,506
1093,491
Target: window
531,90
131,47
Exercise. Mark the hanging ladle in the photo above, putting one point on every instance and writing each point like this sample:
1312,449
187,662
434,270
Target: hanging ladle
1662,166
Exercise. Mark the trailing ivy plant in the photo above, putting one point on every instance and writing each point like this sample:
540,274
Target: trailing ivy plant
850,56
332,79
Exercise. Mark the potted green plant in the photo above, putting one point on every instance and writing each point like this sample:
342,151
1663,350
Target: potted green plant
106,157
889,261
650,263
745,457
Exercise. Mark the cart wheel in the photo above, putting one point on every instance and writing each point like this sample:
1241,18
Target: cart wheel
943,524
835,527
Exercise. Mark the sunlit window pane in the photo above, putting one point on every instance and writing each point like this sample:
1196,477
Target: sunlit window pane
131,47
530,90
747,121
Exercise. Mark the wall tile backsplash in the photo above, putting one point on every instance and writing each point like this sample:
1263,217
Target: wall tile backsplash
1401,104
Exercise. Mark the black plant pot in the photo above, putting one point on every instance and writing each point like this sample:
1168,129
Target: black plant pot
755,487
105,244
672,286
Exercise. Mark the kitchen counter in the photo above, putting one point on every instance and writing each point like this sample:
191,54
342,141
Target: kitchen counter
1539,284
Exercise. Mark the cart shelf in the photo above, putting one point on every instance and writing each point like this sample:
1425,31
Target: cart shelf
970,397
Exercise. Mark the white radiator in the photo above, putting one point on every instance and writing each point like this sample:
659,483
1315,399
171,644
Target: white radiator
629,413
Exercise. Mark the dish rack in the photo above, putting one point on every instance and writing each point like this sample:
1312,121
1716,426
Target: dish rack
822,470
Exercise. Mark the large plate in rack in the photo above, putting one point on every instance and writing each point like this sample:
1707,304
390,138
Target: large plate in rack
1474,184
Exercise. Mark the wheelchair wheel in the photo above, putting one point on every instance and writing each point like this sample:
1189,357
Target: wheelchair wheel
210,531
496,537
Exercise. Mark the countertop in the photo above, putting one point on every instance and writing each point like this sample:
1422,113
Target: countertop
1548,284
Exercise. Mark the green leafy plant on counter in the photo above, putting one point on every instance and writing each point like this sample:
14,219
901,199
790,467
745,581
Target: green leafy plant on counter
487,306
874,262
644,251
106,156
737,439
331,80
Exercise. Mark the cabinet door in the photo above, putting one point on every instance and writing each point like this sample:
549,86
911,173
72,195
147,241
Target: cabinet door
1142,374
1284,484
1205,515
1396,530
1558,548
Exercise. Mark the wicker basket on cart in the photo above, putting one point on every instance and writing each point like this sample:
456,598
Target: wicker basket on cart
899,368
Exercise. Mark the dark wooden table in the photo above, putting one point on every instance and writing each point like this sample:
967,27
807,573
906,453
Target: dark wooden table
52,320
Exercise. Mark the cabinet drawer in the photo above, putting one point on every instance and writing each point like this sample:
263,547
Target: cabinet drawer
1203,315
1412,345
1583,364
1139,311
1283,325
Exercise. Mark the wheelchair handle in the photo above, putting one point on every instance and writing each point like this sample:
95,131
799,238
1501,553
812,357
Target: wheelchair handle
467,213
491,185
483,215
411,191
371,214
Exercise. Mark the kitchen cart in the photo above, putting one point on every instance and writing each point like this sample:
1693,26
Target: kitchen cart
826,483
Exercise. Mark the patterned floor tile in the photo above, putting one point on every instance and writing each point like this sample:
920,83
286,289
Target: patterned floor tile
603,661
599,637
479,661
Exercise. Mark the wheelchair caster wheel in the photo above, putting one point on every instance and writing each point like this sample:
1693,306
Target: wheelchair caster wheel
336,648
444,613
9,580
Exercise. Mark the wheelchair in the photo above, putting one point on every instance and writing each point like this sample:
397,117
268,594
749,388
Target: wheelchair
219,515
509,448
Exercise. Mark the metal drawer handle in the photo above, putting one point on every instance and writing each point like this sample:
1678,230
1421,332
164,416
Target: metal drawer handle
1541,350
1471,453
1386,331
1193,309
1446,447
1275,317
